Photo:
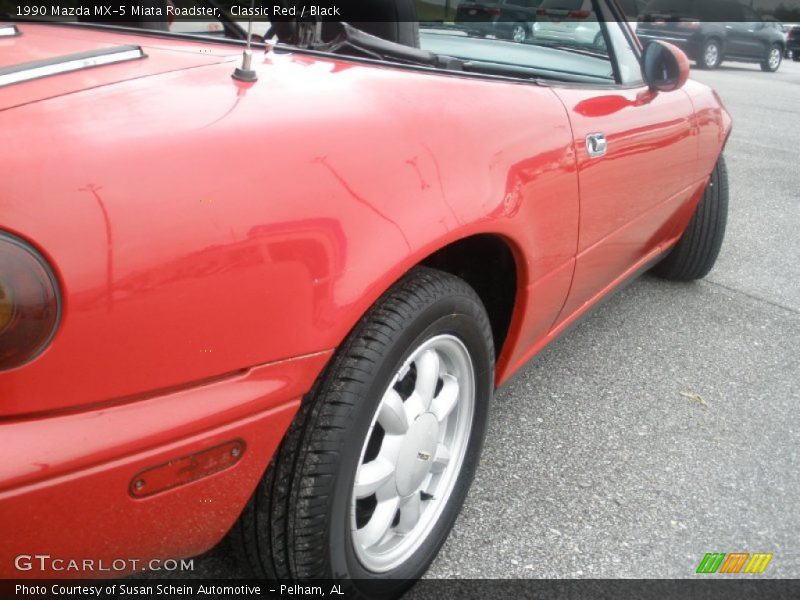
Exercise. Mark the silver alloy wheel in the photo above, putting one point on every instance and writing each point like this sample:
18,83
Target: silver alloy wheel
518,34
774,59
712,54
413,453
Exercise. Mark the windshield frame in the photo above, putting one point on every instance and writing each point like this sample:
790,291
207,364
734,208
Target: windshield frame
468,67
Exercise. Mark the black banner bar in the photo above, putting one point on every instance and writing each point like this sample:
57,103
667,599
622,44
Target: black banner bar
123,11
699,588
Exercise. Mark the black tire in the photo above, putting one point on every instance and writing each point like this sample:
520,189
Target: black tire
295,526
796,55
711,54
696,252
770,64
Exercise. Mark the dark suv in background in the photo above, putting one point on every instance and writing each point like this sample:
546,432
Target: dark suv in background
792,36
511,19
711,31
514,19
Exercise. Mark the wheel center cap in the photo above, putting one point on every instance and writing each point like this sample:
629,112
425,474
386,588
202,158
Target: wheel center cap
416,455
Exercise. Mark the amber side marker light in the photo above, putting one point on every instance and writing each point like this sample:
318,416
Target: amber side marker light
186,469
29,303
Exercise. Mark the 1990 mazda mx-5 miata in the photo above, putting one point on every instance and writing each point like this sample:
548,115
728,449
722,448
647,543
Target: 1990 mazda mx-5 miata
271,296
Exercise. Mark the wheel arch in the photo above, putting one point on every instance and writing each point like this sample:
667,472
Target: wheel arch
720,38
490,262
487,262
781,44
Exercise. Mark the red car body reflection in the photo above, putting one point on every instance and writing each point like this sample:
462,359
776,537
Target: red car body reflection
215,241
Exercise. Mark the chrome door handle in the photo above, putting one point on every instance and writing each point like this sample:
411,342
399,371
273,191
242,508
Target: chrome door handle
596,145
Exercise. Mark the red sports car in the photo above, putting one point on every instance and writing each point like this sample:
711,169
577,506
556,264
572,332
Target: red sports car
272,296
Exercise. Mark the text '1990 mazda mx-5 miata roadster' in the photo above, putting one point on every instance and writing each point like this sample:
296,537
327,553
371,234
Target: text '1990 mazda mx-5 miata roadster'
268,293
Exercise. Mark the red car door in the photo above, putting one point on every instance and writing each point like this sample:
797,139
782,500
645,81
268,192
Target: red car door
634,149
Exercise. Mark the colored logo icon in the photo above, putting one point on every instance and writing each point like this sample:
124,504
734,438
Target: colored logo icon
736,562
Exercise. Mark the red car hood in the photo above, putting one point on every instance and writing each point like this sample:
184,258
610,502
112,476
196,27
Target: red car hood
39,42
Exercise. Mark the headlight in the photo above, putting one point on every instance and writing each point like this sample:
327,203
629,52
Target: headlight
29,303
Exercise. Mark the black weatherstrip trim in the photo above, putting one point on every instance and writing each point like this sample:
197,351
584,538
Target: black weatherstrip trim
69,63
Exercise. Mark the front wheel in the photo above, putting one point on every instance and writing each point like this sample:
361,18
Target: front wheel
711,54
773,60
696,251
372,473
519,32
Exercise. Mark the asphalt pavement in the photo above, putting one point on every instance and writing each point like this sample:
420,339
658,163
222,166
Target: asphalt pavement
666,424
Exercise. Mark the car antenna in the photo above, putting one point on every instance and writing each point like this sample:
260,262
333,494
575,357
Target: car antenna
245,73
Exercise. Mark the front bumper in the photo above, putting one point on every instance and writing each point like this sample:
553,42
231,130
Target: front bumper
65,480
